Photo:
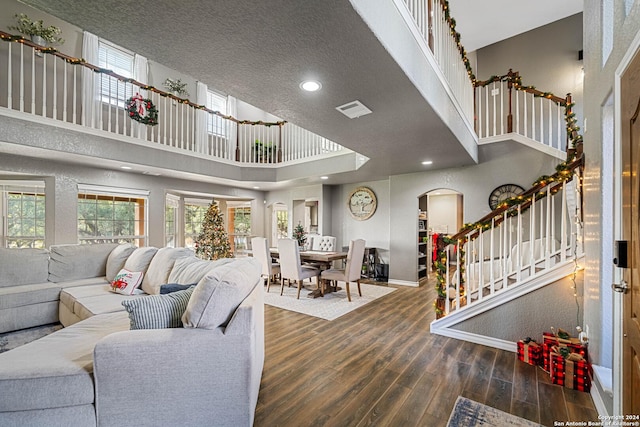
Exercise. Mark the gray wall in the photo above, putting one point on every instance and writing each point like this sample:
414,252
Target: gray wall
601,305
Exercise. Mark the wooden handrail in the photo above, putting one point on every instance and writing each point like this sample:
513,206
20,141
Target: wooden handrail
525,195
514,78
79,61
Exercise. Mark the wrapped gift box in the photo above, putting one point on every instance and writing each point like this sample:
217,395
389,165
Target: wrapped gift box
549,340
530,352
572,372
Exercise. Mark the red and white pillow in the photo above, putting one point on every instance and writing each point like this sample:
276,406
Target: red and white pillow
126,282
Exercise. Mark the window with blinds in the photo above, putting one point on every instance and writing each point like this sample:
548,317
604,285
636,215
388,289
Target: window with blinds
216,125
23,212
108,214
112,90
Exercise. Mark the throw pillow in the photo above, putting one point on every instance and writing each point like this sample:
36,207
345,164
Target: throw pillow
158,272
140,259
126,282
192,270
218,294
117,258
174,287
158,311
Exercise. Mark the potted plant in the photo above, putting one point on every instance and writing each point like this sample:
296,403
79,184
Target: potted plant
300,235
264,152
177,87
36,30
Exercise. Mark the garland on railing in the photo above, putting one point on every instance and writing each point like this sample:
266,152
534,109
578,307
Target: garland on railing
563,173
515,79
80,61
456,37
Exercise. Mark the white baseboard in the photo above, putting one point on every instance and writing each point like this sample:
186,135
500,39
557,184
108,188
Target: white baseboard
475,338
403,283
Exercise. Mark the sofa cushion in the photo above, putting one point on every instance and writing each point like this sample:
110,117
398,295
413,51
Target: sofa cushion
68,296
55,371
71,262
18,296
158,311
127,282
23,266
218,294
158,272
192,270
108,302
174,287
140,259
117,258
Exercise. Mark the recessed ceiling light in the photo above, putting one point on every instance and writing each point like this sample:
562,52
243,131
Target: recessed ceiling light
125,167
256,187
310,86
427,162
324,177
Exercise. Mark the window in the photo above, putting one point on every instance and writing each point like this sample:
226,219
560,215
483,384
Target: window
113,91
194,213
111,215
240,227
171,220
216,125
23,209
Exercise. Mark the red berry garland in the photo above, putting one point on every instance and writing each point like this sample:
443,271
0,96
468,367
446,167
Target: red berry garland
142,110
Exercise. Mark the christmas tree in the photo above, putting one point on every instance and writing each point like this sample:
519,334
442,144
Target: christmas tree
299,234
212,242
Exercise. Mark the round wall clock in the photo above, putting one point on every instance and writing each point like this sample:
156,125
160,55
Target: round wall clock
502,193
362,203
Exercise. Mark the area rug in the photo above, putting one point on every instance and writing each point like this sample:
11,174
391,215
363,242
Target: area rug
11,340
329,307
469,413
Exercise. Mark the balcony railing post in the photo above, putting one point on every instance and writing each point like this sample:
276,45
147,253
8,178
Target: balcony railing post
510,114
237,141
279,154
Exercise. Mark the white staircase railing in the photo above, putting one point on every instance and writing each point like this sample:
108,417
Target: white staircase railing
526,236
46,83
435,26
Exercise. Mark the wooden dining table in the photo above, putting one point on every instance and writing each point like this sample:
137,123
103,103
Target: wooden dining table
324,259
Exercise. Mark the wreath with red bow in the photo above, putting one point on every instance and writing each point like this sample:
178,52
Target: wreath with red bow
142,110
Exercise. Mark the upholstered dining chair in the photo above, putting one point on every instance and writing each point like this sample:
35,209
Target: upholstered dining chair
324,243
260,248
351,272
290,266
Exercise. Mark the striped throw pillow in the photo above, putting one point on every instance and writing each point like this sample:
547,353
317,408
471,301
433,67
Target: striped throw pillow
158,311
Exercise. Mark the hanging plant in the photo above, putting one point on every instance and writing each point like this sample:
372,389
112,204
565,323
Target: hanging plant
142,110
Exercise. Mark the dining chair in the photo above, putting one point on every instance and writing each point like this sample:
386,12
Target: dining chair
324,243
353,267
260,248
290,266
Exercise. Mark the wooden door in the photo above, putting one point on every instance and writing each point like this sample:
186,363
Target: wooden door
630,114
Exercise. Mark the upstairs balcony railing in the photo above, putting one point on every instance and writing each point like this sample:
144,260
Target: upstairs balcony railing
523,238
46,83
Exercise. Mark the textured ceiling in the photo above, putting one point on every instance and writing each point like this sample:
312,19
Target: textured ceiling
259,51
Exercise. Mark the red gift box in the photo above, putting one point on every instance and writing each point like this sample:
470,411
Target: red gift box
572,372
549,340
530,352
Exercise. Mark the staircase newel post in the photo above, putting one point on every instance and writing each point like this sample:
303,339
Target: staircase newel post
510,115
571,151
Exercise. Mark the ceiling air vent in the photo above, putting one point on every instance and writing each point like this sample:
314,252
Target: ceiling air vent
353,109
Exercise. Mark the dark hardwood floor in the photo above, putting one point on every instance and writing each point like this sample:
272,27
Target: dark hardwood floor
379,365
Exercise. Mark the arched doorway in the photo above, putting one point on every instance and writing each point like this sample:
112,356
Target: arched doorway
440,212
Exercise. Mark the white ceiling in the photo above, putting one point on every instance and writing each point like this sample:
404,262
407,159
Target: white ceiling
260,51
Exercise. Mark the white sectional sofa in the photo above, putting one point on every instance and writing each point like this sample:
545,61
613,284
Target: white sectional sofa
98,371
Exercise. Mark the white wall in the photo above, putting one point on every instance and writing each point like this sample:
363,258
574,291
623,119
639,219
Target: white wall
442,213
